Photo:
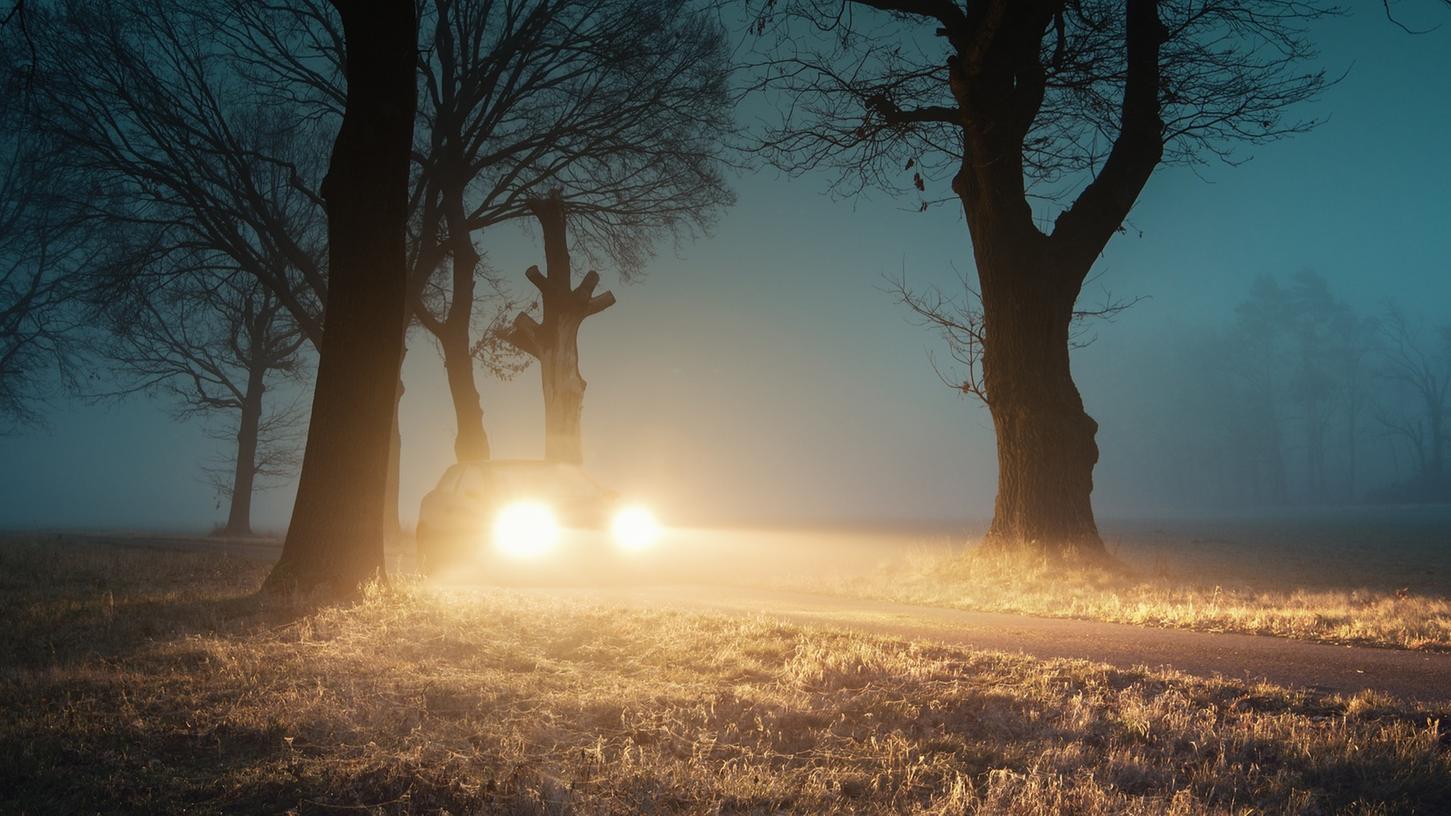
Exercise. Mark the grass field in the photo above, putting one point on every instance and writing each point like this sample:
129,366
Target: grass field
1156,597
159,683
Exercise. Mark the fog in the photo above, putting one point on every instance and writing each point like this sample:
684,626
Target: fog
761,374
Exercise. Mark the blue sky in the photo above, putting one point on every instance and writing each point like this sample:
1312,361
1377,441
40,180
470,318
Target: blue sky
761,373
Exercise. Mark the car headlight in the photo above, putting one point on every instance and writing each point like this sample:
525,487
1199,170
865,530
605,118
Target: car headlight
635,528
525,530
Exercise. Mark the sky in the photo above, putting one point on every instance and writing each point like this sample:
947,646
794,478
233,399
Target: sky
762,375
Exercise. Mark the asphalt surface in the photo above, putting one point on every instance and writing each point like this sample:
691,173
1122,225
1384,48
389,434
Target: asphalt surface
1419,676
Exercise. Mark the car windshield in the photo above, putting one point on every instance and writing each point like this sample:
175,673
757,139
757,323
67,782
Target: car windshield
557,481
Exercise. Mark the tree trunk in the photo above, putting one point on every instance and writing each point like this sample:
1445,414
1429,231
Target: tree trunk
392,527
471,443
335,540
563,395
1045,440
554,339
239,515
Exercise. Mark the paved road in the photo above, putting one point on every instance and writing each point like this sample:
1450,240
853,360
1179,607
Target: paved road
1419,676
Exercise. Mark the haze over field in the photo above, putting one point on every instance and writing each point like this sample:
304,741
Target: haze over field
762,374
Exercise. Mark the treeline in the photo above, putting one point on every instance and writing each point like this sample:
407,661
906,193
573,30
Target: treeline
1303,397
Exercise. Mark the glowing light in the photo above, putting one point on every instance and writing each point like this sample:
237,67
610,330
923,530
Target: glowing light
525,530
635,528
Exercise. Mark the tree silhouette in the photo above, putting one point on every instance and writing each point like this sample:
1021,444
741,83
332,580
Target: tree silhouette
337,531
553,340
214,345
1066,106
621,104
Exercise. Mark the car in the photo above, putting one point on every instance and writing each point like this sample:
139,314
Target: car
513,513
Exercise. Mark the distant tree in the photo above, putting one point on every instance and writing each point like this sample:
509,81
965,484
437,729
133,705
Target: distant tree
214,346
1061,104
553,340
1317,327
1416,362
621,104
337,532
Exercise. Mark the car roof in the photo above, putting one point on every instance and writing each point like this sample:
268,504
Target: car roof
515,464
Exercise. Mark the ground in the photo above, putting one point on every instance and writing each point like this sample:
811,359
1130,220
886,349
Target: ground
157,681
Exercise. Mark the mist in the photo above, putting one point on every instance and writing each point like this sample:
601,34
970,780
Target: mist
762,372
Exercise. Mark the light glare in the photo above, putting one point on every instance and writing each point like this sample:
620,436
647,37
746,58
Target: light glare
525,530
635,528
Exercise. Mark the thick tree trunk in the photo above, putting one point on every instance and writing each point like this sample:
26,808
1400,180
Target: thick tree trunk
563,395
1045,439
554,339
335,540
244,472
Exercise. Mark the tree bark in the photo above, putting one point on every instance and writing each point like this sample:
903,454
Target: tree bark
335,540
239,514
554,339
1030,280
1045,440
392,527
471,443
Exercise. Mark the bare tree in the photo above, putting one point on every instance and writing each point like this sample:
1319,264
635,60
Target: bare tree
621,104
171,141
214,346
1417,362
553,340
1069,106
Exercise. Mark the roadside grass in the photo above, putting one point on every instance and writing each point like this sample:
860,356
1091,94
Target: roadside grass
1032,586
158,683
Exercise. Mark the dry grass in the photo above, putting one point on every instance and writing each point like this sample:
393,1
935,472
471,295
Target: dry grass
156,683
999,583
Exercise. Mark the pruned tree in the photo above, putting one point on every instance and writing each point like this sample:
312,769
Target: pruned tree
553,340
622,104
1067,106
214,346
